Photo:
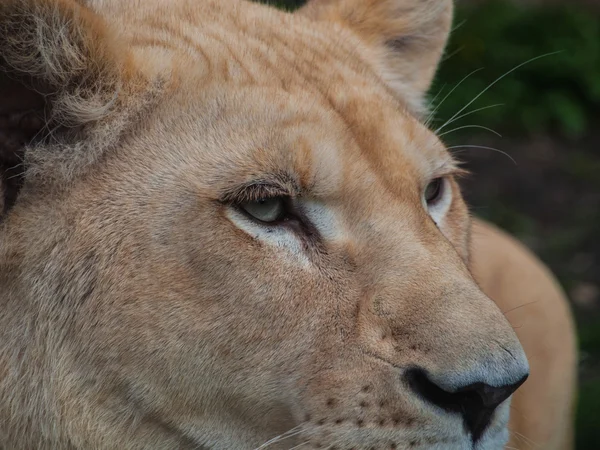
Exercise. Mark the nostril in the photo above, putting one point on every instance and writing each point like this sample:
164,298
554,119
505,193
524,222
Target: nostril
475,402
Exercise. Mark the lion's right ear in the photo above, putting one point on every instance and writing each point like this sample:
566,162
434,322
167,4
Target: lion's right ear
408,37
65,89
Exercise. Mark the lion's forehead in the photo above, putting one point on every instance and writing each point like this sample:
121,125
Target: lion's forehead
277,93
341,145
249,44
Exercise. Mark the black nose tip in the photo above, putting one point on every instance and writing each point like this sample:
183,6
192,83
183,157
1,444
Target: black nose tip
475,402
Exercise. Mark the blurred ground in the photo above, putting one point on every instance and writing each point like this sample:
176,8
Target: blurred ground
548,112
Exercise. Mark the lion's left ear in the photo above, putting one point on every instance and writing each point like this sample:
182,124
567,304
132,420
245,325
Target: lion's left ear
407,36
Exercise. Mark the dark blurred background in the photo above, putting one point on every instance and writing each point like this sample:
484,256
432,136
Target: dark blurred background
542,181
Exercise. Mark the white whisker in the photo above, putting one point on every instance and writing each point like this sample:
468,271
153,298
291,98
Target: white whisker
300,445
288,434
485,148
430,116
432,101
450,55
520,306
458,25
470,126
525,439
489,86
468,113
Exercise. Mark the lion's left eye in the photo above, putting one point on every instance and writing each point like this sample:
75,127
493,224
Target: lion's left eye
434,191
268,210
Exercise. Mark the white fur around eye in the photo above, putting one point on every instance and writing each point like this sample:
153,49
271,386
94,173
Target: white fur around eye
439,209
324,219
280,237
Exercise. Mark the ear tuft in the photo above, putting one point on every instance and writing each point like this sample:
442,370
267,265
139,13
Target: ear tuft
65,91
60,50
408,37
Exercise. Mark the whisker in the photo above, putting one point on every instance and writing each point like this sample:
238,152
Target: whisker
292,432
485,148
299,445
455,52
333,444
468,113
429,117
470,126
524,438
520,306
432,101
449,93
458,25
489,86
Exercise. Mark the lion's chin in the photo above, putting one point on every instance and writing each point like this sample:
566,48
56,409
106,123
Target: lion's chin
493,440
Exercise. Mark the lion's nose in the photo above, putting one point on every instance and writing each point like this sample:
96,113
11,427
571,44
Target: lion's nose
476,402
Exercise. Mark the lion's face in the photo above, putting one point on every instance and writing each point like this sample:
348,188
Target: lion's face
257,236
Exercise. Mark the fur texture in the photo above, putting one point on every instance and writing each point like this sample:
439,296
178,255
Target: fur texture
141,307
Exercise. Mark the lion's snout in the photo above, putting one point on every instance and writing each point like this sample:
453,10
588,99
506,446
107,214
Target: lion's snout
475,402
440,362
456,355
437,388
487,367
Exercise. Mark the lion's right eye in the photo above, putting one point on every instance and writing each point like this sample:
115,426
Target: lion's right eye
268,210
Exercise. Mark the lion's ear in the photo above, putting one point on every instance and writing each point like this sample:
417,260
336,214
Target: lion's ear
63,83
408,36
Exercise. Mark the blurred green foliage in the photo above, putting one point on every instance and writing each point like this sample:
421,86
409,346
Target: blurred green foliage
587,434
588,409
558,92
589,340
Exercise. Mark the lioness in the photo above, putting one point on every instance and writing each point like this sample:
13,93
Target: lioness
225,227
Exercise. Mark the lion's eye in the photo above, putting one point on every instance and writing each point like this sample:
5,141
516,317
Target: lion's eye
434,191
267,210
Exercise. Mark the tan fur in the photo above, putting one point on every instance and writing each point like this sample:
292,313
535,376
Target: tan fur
534,304
141,309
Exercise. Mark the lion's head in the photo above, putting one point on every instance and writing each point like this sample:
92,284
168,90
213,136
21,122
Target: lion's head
224,222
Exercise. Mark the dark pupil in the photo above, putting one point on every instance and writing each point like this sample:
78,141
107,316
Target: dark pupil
433,190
